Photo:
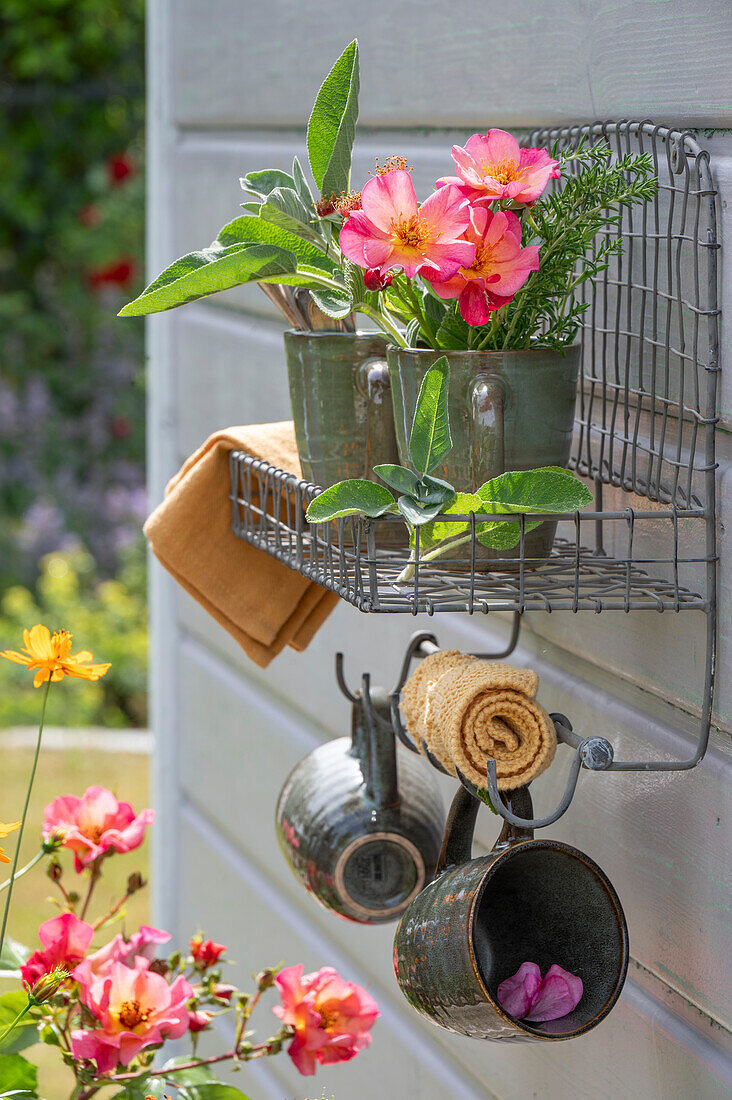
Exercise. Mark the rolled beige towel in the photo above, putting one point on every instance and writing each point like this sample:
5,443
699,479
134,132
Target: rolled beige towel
467,711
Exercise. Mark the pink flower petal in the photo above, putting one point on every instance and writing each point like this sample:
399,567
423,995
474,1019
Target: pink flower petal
389,198
559,994
498,145
516,993
356,231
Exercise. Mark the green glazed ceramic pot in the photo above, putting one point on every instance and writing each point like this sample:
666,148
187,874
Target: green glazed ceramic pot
528,900
509,410
360,821
341,404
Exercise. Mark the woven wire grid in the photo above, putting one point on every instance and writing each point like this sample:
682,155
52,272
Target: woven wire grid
355,558
647,396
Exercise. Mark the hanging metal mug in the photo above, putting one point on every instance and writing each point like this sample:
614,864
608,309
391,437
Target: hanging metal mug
360,820
530,900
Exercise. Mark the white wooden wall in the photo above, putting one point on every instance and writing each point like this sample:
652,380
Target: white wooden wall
231,82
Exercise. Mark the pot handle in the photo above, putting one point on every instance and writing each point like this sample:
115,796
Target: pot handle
457,843
487,399
375,384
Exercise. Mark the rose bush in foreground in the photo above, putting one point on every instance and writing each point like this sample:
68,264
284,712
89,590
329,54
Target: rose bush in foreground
108,1002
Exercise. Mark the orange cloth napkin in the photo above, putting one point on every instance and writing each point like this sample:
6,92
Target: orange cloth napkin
261,602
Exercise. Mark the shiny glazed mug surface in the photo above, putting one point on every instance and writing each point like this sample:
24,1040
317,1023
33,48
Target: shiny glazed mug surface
341,404
360,822
541,901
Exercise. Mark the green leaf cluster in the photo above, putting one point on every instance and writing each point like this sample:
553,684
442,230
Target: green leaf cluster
282,239
185,1084
426,502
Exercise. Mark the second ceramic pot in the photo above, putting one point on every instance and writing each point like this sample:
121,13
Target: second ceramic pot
509,410
341,404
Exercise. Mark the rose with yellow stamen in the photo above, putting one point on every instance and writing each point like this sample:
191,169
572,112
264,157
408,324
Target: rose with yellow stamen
51,655
392,231
5,830
493,166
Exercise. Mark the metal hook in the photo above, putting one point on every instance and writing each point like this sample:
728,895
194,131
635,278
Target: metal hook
538,822
415,643
396,722
341,681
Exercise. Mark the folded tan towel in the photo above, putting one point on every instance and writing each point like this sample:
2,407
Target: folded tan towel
467,711
261,602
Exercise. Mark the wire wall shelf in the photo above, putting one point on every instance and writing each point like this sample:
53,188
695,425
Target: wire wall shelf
644,440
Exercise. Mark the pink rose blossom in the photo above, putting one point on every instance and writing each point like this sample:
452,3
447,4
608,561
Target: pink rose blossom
392,231
142,944
66,940
135,1008
95,824
500,268
526,996
493,166
332,1018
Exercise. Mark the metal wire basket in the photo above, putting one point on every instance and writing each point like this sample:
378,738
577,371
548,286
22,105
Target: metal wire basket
644,440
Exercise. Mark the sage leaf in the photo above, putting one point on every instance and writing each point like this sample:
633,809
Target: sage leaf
415,512
398,478
350,498
332,304
262,183
302,187
547,489
285,209
332,125
433,490
250,230
206,272
430,438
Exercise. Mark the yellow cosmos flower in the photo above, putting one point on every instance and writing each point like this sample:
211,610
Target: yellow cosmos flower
52,656
4,831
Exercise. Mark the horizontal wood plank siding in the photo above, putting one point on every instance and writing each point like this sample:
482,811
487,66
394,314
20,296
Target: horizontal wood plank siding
230,87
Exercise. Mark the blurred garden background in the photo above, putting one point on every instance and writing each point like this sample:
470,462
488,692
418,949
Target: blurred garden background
72,383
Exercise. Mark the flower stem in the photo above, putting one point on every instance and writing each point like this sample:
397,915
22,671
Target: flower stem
18,874
383,324
15,1022
96,873
25,814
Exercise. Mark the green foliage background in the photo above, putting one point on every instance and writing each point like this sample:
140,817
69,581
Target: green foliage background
71,374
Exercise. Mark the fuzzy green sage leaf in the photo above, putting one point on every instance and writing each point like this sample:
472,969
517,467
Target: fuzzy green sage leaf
430,440
332,125
206,272
350,498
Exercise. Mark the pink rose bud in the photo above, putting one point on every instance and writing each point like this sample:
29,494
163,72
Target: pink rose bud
374,280
198,1021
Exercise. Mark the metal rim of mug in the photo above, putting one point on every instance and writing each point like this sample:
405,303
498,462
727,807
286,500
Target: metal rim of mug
346,337
558,846
340,874
487,352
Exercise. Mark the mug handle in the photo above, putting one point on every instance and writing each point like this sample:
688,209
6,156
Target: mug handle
457,843
487,400
375,384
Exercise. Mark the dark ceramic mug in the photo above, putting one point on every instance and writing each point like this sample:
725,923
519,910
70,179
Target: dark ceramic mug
530,900
360,821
